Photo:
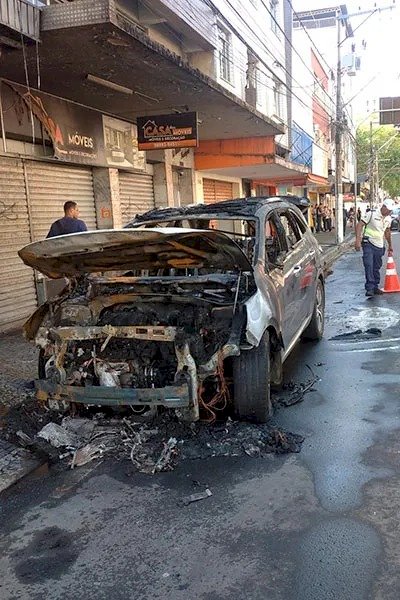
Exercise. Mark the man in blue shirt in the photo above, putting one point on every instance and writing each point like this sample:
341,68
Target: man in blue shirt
70,223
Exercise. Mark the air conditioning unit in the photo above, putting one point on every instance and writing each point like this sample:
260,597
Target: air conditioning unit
351,63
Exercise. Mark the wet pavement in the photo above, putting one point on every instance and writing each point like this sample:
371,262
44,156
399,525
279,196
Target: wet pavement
316,525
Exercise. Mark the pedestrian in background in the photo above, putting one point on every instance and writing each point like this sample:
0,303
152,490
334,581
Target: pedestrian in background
345,216
319,217
313,217
371,233
69,223
324,216
358,214
351,216
328,219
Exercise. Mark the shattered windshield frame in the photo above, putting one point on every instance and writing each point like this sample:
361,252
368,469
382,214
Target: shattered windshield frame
247,239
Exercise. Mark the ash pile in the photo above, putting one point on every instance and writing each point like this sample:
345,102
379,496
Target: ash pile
153,442
152,445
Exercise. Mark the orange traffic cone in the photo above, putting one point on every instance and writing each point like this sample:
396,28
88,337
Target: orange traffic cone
392,283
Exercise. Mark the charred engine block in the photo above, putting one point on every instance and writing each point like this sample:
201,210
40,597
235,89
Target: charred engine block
141,363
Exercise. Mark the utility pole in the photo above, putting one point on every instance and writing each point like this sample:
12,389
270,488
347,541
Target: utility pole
355,181
371,166
340,127
338,141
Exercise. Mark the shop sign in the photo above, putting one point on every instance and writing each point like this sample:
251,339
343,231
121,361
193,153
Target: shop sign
82,135
168,131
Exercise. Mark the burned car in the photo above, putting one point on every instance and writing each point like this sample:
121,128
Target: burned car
190,308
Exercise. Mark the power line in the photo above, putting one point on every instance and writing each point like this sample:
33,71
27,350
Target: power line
328,108
269,74
295,50
309,37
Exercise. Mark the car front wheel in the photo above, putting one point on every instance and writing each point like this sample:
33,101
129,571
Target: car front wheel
315,329
251,383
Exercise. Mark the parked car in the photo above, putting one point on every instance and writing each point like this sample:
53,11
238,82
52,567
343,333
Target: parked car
395,219
187,308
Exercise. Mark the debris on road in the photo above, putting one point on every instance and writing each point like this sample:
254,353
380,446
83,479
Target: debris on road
153,443
157,445
374,331
15,463
298,390
165,462
58,436
86,454
196,497
359,334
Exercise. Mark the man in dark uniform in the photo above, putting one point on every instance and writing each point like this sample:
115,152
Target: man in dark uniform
69,223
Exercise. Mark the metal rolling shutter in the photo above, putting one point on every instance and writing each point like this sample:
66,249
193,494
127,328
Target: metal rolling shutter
136,194
17,285
216,191
49,186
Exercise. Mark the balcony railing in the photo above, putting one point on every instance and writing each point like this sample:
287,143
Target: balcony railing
20,17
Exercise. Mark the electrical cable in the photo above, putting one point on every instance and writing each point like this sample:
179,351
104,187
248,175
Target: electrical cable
26,73
295,50
309,37
38,66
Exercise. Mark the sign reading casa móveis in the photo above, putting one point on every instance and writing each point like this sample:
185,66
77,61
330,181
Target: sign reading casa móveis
167,131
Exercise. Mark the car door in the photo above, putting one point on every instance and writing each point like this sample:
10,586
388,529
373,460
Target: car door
301,260
308,282
281,282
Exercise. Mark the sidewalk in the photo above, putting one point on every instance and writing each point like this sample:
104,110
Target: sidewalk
331,252
328,238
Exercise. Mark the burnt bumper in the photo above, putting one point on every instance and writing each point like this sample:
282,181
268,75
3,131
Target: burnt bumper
174,396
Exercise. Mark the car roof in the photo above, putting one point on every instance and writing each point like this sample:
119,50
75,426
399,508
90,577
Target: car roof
245,207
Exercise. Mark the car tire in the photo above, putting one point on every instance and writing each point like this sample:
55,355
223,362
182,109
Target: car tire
315,329
251,383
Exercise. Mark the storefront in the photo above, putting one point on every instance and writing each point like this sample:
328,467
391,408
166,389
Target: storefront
42,166
17,283
215,190
136,192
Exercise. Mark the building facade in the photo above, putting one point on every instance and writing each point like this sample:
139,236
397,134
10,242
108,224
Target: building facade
70,105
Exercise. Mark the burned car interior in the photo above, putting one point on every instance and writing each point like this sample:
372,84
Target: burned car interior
155,313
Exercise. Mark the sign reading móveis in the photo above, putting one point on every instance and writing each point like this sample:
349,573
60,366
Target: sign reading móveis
80,134
167,131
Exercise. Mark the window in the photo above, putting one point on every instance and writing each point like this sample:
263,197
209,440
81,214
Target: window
273,9
225,54
292,233
278,95
301,223
273,243
251,78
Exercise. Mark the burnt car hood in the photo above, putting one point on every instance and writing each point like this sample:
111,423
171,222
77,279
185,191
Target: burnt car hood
134,249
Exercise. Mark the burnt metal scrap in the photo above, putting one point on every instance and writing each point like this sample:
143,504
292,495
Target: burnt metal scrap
153,445
359,334
239,206
295,392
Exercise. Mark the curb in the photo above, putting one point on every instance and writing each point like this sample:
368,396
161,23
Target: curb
333,253
15,464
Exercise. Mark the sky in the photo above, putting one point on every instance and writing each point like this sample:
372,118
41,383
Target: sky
379,61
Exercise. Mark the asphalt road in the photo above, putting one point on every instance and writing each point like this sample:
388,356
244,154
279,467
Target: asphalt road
318,525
